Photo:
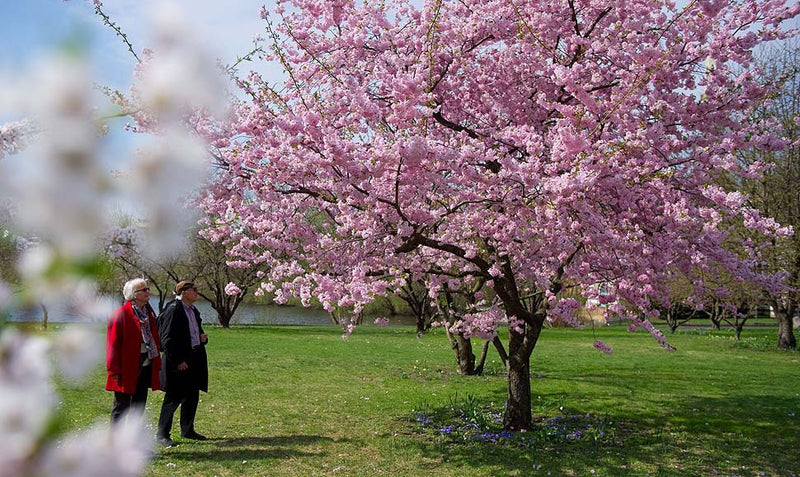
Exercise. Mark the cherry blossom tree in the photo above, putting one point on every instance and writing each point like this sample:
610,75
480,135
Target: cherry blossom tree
538,146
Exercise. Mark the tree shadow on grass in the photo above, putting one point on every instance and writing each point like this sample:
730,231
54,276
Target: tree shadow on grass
249,448
696,436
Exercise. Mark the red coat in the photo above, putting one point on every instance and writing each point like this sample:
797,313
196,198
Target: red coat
124,347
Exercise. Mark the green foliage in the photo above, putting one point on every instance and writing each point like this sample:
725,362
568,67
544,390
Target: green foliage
300,401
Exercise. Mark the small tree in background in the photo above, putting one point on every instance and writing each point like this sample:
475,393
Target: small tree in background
125,253
415,294
224,284
203,261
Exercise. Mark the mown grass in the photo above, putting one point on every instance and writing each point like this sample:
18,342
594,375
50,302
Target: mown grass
300,401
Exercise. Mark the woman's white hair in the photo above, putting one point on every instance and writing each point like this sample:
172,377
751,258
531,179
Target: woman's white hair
129,287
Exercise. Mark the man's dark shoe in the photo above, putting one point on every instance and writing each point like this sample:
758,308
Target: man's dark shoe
165,442
194,435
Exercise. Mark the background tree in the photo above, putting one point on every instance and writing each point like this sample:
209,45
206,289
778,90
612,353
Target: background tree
126,254
202,260
224,284
531,145
776,193
415,295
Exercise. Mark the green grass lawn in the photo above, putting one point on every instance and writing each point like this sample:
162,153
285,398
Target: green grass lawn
300,401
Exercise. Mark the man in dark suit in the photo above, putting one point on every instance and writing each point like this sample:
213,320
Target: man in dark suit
184,371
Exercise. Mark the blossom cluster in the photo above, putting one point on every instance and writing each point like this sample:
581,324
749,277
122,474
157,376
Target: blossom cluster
381,321
232,290
603,347
14,136
480,324
28,408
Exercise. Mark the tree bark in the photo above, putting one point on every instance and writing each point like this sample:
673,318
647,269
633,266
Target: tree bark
784,311
518,416
465,356
501,350
45,318
482,360
462,347
521,342
786,338
423,324
224,317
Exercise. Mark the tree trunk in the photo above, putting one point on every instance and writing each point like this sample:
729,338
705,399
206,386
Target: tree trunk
498,345
45,318
465,356
783,313
482,359
423,325
224,318
518,416
462,347
786,338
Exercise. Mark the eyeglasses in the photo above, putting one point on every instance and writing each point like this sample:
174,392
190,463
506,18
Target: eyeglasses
142,289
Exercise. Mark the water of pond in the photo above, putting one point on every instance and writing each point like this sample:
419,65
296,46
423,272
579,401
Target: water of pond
246,314
250,314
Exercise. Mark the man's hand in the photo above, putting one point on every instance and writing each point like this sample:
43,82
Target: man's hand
183,366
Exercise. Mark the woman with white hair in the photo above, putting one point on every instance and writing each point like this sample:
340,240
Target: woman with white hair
132,350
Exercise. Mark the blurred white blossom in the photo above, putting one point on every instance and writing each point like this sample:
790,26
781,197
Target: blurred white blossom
77,351
85,302
121,451
179,75
59,180
23,360
5,295
43,283
27,400
27,406
14,136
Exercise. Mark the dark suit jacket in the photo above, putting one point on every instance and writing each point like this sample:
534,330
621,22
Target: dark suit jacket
176,345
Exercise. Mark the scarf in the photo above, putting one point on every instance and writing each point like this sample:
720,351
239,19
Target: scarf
147,335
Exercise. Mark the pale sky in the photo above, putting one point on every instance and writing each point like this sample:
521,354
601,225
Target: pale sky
30,28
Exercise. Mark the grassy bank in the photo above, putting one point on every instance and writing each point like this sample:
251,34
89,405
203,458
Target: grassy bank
300,401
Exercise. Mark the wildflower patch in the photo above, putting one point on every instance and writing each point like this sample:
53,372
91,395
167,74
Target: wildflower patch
467,420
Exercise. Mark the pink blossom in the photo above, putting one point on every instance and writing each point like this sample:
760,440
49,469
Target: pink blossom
232,290
382,321
603,347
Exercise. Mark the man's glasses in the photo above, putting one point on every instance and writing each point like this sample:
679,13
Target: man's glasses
141,289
